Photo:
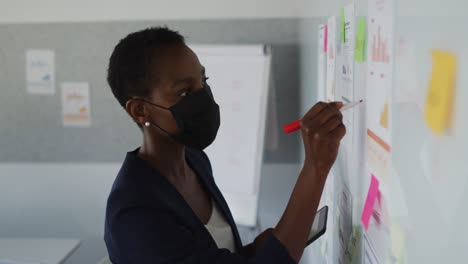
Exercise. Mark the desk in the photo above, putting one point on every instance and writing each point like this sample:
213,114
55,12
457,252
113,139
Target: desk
44,251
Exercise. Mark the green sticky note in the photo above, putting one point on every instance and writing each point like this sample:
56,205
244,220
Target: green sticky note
342,26
360,48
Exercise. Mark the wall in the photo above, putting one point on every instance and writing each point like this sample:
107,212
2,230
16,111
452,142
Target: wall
429,180
26,11
57,201
59,189
68,201
83,50
416,8
30,11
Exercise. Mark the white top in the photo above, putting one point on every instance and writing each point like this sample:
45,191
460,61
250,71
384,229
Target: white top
44,251
220,230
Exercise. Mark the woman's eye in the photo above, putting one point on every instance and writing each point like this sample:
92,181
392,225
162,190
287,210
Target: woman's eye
183,94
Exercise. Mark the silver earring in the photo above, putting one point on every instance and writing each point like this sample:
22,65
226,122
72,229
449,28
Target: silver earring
147,124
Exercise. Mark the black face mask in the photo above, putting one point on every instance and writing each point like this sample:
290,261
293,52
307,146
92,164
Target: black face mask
197,117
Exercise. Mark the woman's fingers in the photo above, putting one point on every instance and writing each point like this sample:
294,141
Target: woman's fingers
339,132
318,121
331,124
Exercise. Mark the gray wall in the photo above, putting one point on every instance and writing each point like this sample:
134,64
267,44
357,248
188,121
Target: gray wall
82,52
37,201
69,200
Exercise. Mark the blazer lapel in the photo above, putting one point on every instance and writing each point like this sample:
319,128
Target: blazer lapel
215,193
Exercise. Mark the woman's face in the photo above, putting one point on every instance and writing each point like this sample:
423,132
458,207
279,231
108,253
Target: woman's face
177,73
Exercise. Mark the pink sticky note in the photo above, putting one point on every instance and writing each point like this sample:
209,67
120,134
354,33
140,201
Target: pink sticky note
325,45
379,198
372,195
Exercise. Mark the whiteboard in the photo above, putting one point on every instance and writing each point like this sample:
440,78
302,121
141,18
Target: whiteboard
421,209
238,76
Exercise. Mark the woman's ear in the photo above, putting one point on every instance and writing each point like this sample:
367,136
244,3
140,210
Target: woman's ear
137,110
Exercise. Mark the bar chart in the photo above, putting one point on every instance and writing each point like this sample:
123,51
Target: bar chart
380,52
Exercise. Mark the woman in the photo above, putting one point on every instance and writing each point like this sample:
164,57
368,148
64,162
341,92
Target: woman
164,206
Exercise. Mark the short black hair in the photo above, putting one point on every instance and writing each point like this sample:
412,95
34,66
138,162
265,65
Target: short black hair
129,72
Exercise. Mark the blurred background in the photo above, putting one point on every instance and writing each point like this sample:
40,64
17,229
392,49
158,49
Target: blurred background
56,171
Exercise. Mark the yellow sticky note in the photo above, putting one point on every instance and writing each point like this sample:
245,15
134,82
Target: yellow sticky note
439,100
353,243
384,116
398,244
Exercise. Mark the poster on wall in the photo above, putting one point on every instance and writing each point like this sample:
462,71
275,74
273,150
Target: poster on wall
321,63
40,72
369,256
380,62
331,59
378,229
76,106
379,86
346,69
328,249
346,79
345,221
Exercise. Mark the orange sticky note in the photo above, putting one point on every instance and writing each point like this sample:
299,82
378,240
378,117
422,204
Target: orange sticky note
439,100
384,116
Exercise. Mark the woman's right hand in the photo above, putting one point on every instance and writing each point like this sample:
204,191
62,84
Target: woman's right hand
322,130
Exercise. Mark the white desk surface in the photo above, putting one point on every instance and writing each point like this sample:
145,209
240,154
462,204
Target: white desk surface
44,251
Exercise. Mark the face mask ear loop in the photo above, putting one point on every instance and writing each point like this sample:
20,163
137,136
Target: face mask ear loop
156,125
148,102
147,123
174,137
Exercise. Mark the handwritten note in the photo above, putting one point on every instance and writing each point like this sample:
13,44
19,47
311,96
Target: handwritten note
325,45
398,244
372,196
331,58
440,94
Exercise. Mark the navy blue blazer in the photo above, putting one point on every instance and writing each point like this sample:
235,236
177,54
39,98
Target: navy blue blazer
149,222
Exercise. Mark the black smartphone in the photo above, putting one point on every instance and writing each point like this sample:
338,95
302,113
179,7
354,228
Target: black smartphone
319,227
